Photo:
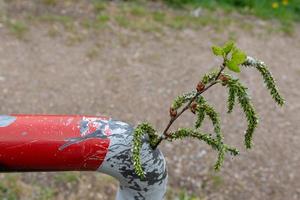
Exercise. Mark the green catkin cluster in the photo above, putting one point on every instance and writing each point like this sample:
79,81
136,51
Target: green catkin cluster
240,91
214,117
204,108
268,78
209,77
233,58
221,157
200,112
208,139
231,99
138,134
182,99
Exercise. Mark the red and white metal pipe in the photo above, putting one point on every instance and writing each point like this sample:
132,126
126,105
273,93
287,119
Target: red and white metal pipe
30,143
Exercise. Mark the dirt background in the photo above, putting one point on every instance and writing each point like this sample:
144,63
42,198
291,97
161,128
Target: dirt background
133,77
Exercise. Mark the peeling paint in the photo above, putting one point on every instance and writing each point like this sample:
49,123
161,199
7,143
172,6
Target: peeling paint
6,120
34,141
62,143
118,163
90,128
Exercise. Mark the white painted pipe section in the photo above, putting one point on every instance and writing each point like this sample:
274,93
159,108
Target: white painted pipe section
118,163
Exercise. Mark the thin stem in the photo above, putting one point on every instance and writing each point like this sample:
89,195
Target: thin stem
165,134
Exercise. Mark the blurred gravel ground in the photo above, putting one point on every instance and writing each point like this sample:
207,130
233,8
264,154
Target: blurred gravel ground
133,77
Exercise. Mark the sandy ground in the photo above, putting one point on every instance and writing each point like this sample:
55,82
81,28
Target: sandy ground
134,77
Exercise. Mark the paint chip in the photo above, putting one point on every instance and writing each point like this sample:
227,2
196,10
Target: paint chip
6,120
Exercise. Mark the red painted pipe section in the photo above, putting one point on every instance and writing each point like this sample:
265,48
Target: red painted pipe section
52,143
31,143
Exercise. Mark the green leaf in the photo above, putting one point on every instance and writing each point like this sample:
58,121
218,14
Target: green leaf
238,57
228,47
233,66
218,51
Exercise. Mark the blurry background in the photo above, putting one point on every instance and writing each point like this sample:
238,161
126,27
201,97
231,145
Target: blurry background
128,60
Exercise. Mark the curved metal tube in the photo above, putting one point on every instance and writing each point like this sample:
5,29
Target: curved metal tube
31,143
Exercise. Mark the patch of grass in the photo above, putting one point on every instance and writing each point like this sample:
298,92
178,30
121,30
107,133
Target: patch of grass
46,193
92,53
138,11
88,23
102,18
178,22
217,180
147,27
124,41
74,38
178,194
159,16
105,178
187,21
122,21
183,195
287,28
66,21
53,31
247,26
180,3
284,10
99,5
49,2
70,177
18,28
139,16
232,36
99,22
9,188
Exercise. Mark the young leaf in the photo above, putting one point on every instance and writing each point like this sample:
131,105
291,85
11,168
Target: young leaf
218,51
238,57
233,66
228,47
